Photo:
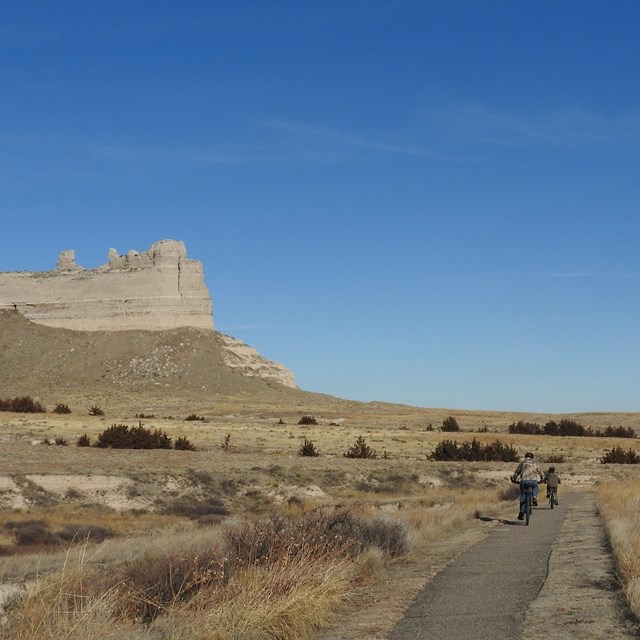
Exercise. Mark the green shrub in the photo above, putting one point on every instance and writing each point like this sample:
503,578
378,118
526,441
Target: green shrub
474,451
21,404
618,455
61,408
307,448
307,420
83,441
360,449
528,428
182,444
121,436
450,424
619,432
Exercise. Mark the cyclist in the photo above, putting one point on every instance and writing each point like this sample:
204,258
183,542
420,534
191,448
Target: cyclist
528,474
553,480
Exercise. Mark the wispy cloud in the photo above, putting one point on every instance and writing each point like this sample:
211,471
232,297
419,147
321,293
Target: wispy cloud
562,127
578,275
132,153
346,139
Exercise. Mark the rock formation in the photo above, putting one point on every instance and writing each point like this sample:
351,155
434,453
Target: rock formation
157,289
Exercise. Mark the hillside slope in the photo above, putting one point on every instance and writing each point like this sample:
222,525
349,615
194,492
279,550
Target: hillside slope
60,365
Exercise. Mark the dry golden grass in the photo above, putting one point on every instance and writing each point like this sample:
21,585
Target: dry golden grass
286,600
260,473
619,503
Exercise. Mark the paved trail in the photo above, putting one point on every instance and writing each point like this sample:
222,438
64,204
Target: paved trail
484,593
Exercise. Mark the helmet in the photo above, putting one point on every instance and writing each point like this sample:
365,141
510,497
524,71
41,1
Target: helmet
528,454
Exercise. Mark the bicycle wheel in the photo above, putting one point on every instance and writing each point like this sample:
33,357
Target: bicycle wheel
552,498
527,512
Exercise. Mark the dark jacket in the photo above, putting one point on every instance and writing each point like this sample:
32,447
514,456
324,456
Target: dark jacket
552,480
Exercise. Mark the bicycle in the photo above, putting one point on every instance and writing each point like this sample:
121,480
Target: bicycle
553,496
528,510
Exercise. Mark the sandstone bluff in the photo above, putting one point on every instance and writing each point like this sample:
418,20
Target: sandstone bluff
156,290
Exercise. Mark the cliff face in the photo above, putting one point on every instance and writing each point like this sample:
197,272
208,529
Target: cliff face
158,289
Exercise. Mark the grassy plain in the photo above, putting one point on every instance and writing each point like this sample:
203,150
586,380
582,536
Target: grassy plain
246,466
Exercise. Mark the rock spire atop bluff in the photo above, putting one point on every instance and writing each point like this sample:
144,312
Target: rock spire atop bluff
154,290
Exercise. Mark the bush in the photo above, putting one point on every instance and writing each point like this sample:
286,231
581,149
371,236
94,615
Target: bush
95,410
619,432
569,428
182,444
193,417
450,424
83,441
31,532
21,404
474,451
84,533
618,455
61,408
121,436
529,428
60,441
360,449
307,420
151,584
307,448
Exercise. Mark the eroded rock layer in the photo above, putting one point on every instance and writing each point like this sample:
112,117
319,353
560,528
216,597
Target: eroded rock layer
154,290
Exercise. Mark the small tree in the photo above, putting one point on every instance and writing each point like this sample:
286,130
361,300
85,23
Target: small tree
360,449
307,448
450,424
61,408
83,441
182,444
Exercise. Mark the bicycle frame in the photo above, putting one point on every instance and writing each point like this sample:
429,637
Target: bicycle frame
529,504
553,496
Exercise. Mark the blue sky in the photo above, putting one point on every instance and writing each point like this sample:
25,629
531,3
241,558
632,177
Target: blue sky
432,203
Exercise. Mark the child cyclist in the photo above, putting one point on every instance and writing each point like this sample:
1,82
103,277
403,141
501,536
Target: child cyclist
553,480
528,474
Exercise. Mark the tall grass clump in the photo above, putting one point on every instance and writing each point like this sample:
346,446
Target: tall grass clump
618,504
277,578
